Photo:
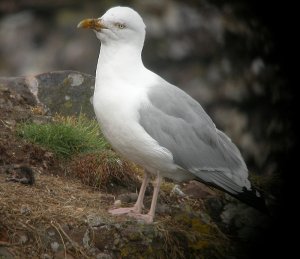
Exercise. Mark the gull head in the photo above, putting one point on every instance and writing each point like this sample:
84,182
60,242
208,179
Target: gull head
119,25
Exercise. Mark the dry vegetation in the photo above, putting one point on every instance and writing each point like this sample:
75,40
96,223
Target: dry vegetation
105,171
30,213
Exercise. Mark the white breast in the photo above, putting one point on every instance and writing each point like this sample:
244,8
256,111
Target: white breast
116,106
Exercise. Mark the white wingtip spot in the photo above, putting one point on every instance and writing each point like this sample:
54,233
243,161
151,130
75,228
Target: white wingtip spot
257,194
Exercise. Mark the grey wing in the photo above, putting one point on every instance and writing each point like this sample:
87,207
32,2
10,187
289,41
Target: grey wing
179,123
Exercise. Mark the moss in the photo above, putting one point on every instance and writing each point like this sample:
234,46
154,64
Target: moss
182,236
68,104
199,226
167,187
198,237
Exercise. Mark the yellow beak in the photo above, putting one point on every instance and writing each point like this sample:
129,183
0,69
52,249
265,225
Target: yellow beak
95,24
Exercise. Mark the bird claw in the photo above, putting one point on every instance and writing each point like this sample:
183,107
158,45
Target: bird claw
121,211
132,212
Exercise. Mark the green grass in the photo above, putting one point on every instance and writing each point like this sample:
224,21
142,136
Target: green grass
65,136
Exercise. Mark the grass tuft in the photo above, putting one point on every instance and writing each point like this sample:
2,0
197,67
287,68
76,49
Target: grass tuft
106,171
66,136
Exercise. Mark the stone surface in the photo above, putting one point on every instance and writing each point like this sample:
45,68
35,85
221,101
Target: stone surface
198,190
66,92
63,92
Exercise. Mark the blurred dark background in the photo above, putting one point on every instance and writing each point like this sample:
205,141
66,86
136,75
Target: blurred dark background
232,56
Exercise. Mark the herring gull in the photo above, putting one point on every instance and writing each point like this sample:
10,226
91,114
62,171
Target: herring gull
154,123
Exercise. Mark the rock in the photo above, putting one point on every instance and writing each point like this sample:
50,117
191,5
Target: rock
176,190
127,197
21,86
95,220
51,232
198,190
21,174
246,222
214,206
25,209
63,92
86,240
66,92
54,246
23,239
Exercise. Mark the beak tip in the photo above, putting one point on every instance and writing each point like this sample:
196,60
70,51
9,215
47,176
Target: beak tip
94,24
80,25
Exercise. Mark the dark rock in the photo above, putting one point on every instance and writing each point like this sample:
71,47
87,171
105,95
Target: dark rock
198,190
214,206
21,174
246,222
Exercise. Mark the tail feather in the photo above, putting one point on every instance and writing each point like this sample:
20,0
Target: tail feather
252,197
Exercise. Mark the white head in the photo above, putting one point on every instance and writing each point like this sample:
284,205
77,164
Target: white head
119,25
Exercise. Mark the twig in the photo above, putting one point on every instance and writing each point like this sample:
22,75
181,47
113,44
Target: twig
60,237
74,244
3,243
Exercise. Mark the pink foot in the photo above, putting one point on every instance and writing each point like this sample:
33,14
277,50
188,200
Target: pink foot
132,212
121,211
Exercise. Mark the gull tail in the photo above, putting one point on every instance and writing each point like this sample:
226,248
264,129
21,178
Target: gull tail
251,197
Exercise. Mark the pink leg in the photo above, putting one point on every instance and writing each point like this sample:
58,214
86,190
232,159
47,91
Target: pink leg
139,203
137,208
157,184
148,218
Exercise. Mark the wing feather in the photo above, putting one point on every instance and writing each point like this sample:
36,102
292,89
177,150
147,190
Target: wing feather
179,123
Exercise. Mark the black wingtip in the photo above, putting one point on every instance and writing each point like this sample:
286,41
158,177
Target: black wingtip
253,198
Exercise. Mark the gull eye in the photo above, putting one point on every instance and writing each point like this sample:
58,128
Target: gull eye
120,25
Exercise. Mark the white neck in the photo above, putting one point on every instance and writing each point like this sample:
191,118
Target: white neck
118,61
